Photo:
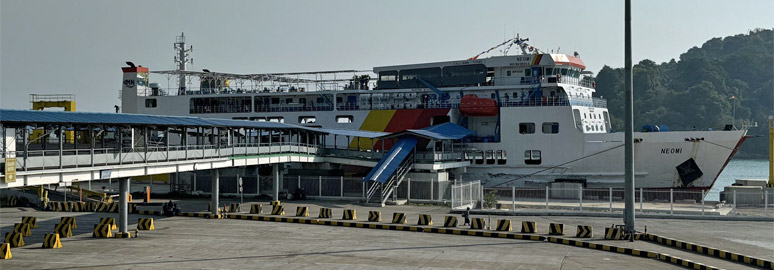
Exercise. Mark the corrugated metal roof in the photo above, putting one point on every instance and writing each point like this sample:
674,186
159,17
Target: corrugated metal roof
92,118
355,133
445,131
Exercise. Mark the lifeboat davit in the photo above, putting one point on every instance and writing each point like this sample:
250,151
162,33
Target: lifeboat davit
472,105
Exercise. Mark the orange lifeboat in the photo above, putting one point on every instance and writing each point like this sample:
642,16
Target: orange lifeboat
472,105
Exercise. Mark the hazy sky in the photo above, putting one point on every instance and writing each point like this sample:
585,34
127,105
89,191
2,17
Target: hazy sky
78,47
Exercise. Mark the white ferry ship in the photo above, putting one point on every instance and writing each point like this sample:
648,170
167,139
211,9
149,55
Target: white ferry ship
535,117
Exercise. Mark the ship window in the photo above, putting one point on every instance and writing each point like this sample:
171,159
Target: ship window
150,103
548,71
564,71
578,120
278,119
220,105
527,72
526,128
259,119
550,127
239,118
345,119
274,100
532,157
307,119
464,75
508,73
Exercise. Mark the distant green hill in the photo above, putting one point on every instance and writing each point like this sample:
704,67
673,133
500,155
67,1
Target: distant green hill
697,90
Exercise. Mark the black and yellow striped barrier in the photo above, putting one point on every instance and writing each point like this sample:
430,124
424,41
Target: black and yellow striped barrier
274,219
399,218
504,225
584,231
325,213
508,235
613,233
22,228
450,221
101,207
709,251
255,208
69,220
123,235
278,210
302,211
32,221
374,216
15,239
112,207
370,225
5,251
275,203
145,224
102,231
234,208
478,224
634,252
200,215
349,214
64,230
528,227
51,240
78,206
556,229
109,221
425,220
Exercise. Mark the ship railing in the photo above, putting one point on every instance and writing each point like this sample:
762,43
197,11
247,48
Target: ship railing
293,108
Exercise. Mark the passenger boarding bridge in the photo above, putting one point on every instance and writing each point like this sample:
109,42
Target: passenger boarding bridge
121,146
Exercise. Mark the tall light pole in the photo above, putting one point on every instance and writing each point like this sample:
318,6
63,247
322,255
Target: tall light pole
628,125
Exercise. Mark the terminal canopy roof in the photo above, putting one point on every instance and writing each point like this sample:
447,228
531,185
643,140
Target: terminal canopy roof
31,117
445,131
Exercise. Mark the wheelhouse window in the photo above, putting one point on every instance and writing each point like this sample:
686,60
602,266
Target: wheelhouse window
345,119
550,127
388,79
408,77
464,75
526,128
150,103
532,157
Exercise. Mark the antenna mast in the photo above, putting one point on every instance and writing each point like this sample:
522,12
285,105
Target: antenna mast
181,59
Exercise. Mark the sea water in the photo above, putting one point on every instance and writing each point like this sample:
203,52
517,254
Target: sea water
739,169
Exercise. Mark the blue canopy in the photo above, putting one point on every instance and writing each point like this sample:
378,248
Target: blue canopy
445,131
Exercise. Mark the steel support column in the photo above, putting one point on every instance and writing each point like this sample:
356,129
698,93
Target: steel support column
628,124
123,204
215,191
275,168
